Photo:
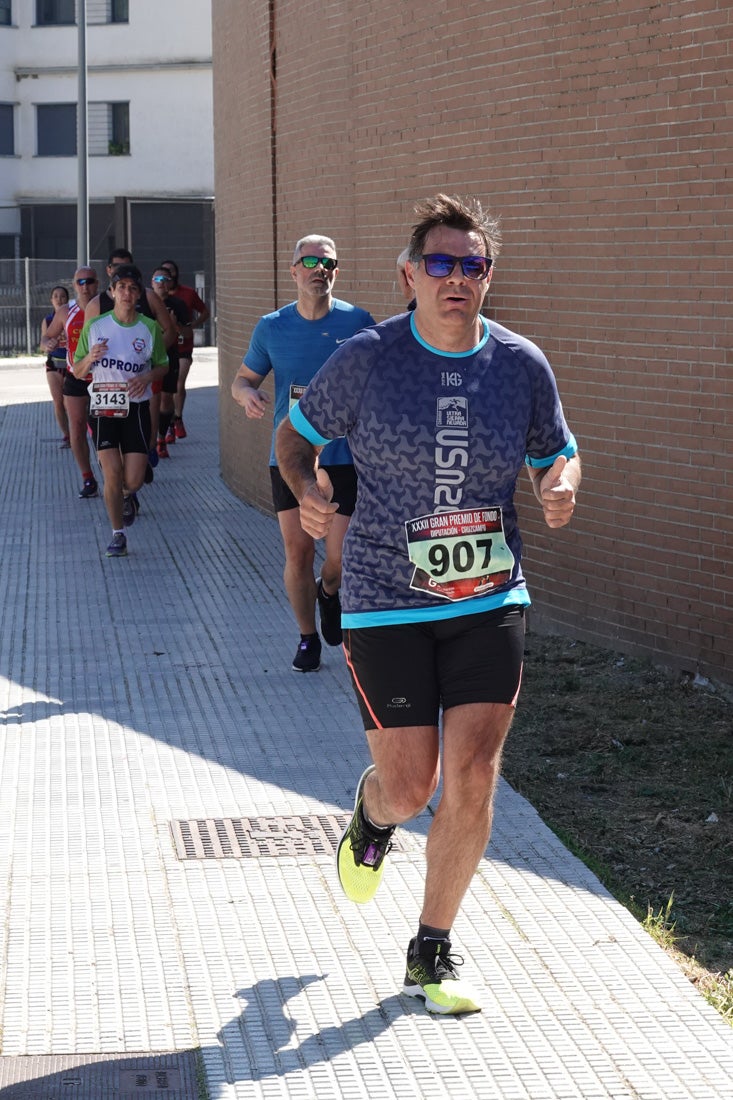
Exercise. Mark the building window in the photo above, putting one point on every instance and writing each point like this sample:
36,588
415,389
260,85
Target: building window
56,129
54,13
6,13
109,129
107,11
7,132
119,11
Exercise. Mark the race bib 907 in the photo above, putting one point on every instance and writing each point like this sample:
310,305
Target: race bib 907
458,555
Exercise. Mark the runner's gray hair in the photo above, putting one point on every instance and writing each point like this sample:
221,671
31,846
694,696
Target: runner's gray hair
312,238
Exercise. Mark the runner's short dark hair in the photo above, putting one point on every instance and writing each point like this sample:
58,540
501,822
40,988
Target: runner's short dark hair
123,254
454,212
128,271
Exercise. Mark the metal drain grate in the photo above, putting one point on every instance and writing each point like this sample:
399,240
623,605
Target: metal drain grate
100,1077
258,837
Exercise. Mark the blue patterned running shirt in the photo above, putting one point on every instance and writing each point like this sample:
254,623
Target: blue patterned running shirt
438,440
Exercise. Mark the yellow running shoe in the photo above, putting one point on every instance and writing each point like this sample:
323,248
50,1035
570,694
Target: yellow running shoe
361,852
434,977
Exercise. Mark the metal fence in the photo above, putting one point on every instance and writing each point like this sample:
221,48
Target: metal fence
25,299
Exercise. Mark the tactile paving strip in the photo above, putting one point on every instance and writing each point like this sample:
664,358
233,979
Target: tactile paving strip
100,1077
309,835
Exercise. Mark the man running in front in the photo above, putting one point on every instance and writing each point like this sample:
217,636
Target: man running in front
442,409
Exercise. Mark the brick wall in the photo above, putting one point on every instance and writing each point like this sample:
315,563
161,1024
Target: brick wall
601,133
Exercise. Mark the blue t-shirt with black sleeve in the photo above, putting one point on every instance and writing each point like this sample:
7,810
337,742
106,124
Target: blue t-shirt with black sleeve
294,349
438,440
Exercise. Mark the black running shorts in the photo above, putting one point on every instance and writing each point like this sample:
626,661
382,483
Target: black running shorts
75,387
404,674
130,433
343,479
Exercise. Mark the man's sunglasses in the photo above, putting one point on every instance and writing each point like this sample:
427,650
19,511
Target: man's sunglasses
161,278
440,266
85,282
311,262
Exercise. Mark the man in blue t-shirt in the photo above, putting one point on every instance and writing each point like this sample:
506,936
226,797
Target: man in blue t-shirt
293,343
442,409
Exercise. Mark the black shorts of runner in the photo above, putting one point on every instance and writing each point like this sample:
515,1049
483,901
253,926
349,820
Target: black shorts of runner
131,433
404,674
75,387
56,364
170,379
343,479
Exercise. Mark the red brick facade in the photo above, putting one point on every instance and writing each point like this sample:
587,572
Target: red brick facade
600,132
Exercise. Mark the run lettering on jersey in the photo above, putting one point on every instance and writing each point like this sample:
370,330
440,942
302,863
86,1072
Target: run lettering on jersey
438,434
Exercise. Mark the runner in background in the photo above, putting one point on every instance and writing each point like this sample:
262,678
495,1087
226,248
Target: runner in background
405,289
199,314
293,343
70,320
56,365
162,417
150,306
124,352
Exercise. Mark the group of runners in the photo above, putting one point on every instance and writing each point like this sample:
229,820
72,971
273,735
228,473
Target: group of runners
117,363
400,445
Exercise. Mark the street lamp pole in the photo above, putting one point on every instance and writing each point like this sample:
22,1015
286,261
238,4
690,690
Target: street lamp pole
82,202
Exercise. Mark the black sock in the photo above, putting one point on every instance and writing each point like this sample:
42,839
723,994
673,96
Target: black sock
368,821
164,423
308,637
427,936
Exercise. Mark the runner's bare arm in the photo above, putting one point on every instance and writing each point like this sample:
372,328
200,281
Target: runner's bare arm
296,459
245,391
52,334
92,310
201,315
82,367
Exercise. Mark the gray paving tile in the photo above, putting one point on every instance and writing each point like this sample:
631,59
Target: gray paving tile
156,688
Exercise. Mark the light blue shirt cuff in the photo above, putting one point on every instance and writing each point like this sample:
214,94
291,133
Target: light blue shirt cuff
303,427
569,450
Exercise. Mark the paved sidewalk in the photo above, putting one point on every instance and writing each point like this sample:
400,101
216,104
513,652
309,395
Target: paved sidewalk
170,792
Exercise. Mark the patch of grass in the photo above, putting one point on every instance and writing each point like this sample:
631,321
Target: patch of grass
632,766
661,926
719,993
201,1084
